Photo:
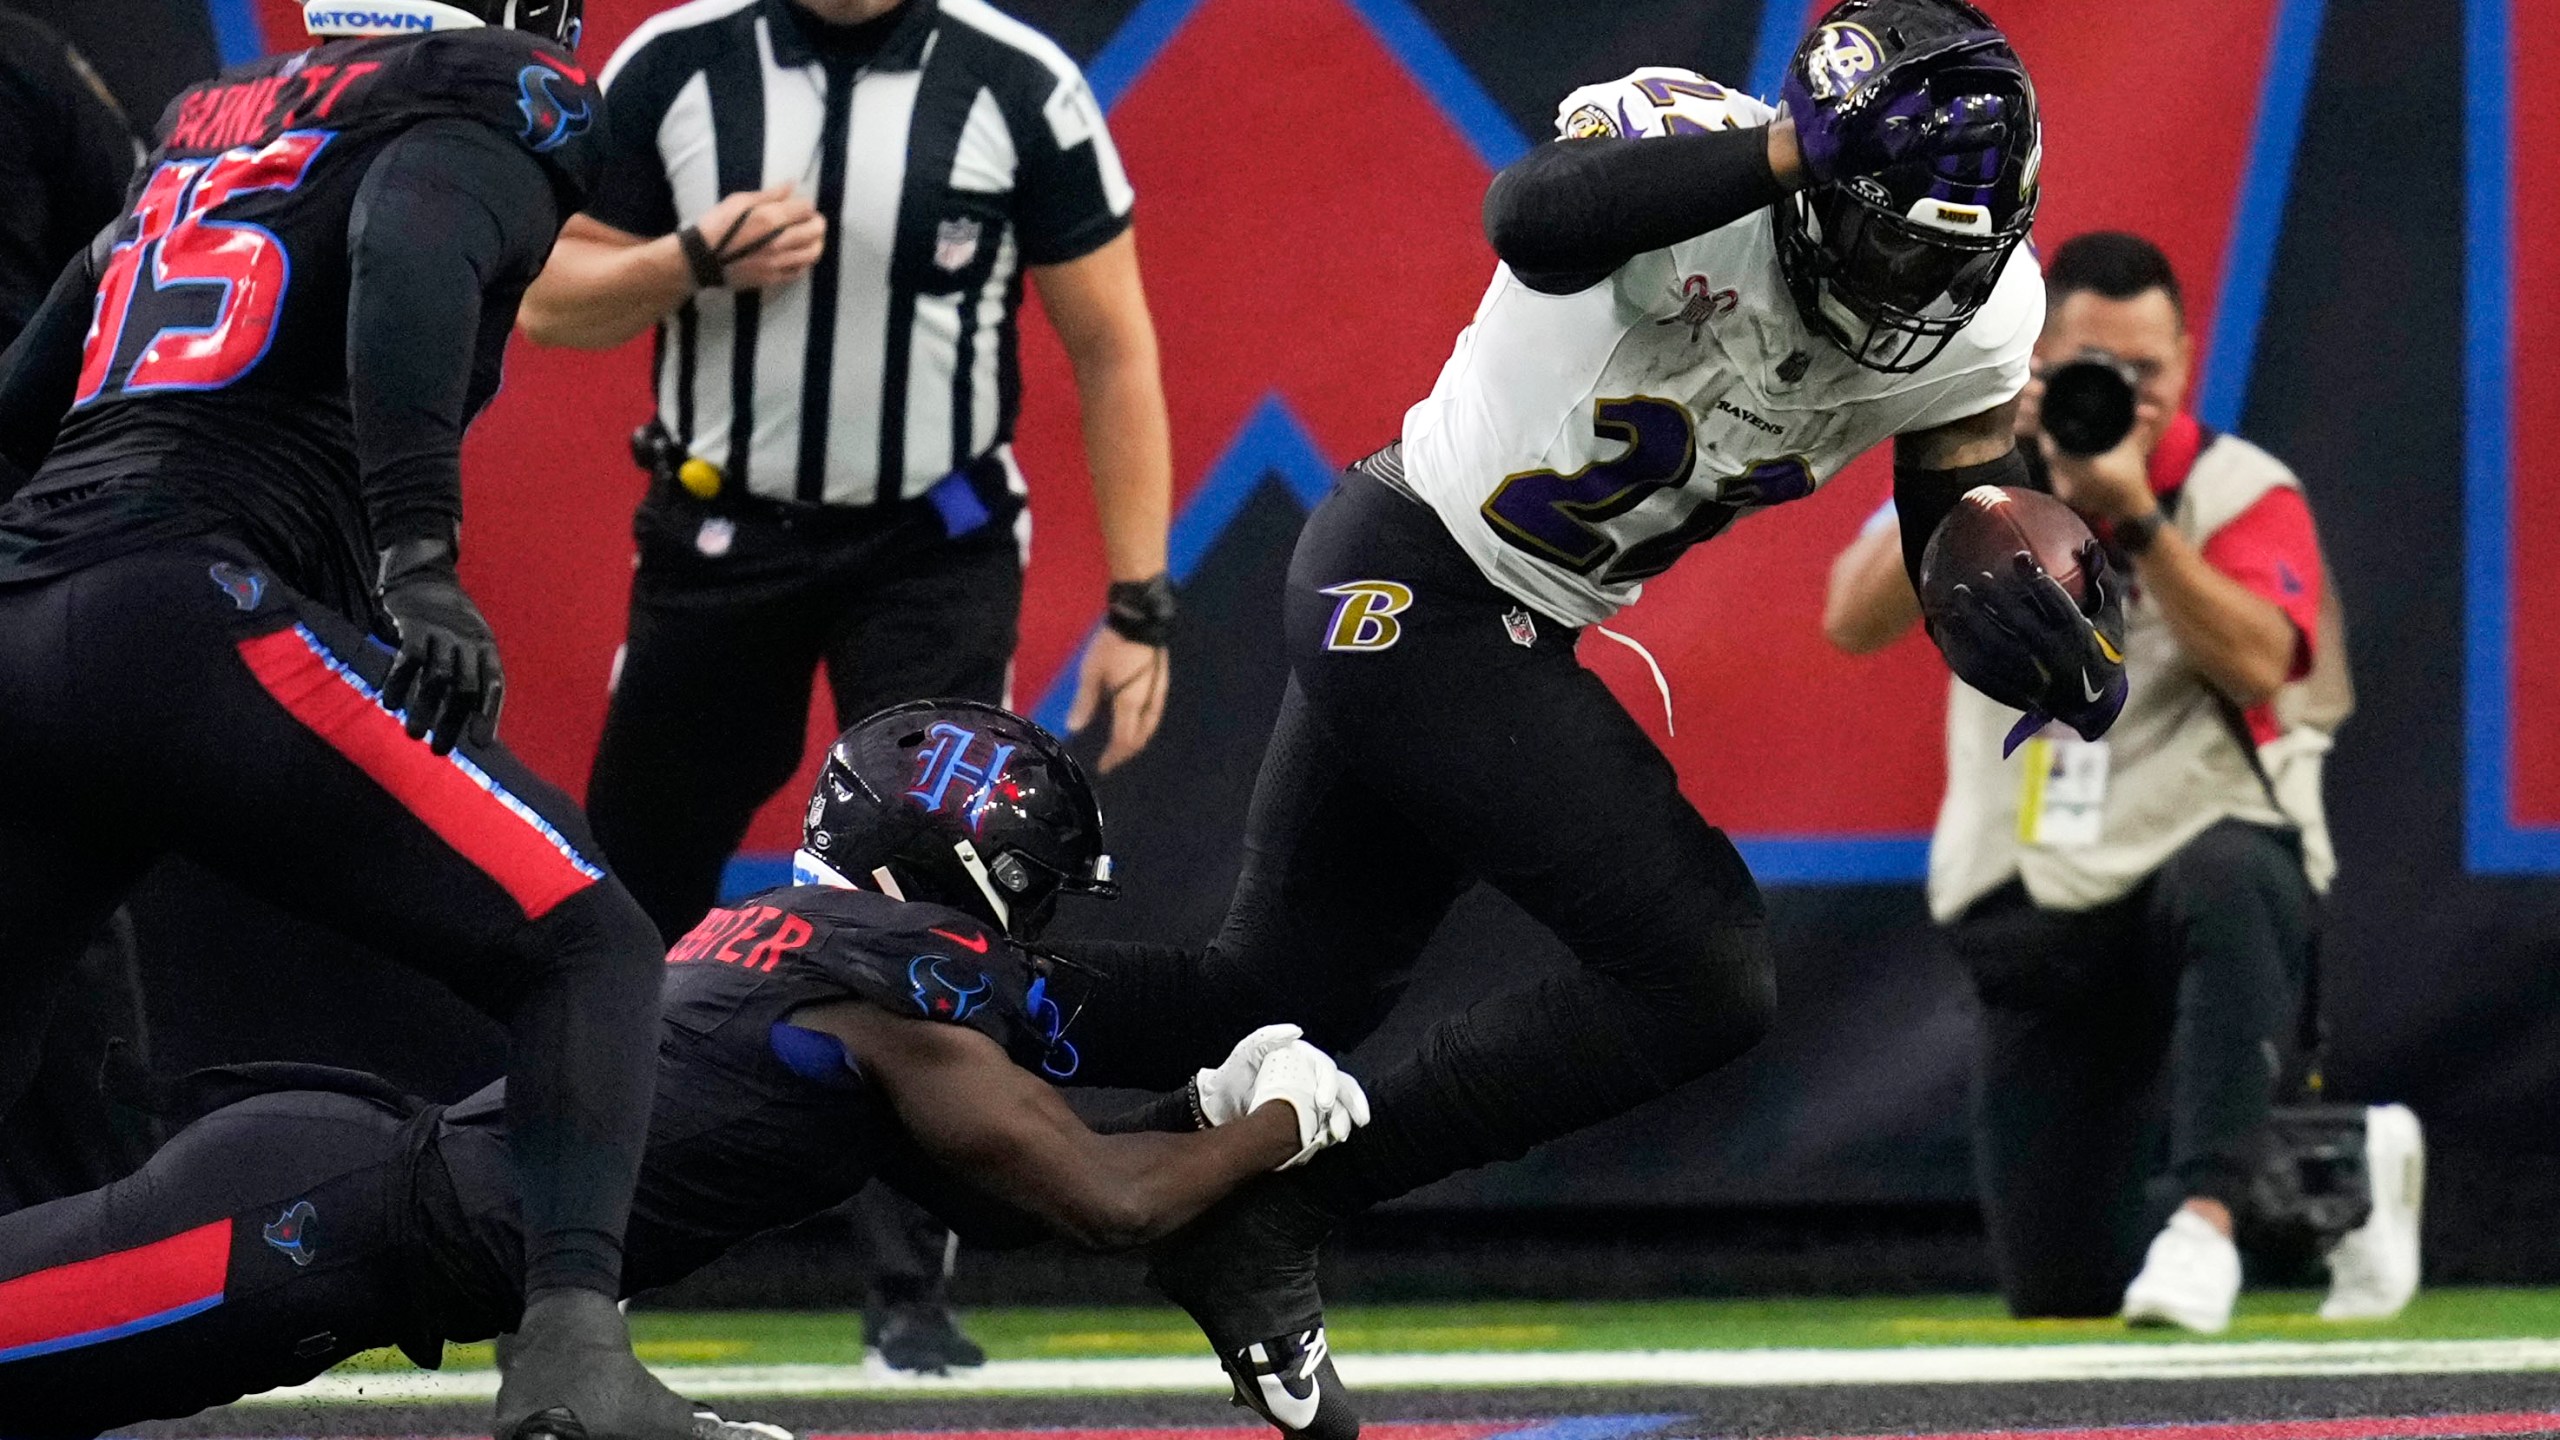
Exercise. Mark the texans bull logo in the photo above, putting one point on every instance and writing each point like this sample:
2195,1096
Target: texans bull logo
942,996
291,1232
245,587
551,121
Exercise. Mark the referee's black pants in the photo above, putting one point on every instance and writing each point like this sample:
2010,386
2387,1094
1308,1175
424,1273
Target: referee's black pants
2146,1034
710,709
731,614
181,699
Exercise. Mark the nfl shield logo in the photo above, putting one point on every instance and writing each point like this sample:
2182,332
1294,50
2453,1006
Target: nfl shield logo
955,243
1522,629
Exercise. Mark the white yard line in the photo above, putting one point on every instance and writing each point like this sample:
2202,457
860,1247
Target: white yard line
1905,1366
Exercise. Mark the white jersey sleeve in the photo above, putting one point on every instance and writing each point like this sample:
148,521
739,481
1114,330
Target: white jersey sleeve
1656,100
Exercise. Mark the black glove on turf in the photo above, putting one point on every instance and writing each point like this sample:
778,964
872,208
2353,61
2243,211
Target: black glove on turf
2029,647
446,675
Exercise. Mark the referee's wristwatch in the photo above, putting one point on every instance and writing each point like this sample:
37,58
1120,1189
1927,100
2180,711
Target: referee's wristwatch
1142,610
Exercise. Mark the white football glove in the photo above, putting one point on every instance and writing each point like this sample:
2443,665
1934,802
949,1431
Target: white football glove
1330,1104
1223,1094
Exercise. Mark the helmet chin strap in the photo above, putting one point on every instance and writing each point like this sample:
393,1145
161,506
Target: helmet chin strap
385,17
977,869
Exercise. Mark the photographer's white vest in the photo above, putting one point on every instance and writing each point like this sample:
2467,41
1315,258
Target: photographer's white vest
2172,766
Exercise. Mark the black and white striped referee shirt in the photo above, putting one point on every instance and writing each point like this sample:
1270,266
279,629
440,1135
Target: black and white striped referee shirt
965,147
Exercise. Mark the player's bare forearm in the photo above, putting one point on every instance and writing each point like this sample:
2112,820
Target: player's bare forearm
603,286
1008,1134
1099,306
1869,603
2235,637
1933,468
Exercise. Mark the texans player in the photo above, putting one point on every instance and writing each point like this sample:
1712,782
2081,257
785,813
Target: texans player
232,456
882,1015
1705,308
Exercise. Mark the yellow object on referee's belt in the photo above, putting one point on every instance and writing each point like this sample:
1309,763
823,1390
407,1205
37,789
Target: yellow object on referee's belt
699,477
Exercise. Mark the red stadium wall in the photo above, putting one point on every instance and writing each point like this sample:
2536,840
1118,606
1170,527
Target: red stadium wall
2151,110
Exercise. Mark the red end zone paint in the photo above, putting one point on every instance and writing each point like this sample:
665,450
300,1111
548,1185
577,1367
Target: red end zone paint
1452,1431
112,1295
2411,1427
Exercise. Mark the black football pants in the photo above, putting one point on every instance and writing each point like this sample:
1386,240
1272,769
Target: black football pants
2156,1026
1414,756
180,699
257,1249
710,711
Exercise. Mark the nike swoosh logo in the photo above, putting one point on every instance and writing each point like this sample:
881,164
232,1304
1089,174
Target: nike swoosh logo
979,945
1289,1409
2086,689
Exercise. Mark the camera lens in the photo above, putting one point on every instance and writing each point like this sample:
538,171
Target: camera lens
2088,405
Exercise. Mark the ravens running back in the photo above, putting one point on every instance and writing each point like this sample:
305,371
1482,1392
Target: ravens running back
232,442
814,1036
1706,307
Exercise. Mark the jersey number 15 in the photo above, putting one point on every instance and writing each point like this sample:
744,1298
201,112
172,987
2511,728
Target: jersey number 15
172,250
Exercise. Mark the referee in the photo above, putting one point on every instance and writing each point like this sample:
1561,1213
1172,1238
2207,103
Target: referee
827,209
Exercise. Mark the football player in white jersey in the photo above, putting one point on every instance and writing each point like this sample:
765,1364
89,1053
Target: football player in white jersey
1705,307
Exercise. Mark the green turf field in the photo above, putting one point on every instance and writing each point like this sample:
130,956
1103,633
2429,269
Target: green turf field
760,1337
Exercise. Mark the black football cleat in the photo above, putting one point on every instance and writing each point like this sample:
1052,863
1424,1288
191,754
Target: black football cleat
1289,1381
1246,1274
569,1374
921,1337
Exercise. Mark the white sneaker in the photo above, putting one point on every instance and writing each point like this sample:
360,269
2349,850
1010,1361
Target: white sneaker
2189,1279
2373,1269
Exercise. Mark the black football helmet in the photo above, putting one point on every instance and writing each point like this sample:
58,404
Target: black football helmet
1892,264
961,804
558,21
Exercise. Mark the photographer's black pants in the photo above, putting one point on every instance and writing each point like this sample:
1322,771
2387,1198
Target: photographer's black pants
2147,1033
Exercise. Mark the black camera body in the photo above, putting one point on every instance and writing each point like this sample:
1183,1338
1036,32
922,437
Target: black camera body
2089,403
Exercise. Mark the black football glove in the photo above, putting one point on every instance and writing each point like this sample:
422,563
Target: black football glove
2019,639
446,677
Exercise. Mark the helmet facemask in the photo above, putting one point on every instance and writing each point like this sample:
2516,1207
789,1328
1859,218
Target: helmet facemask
1892,266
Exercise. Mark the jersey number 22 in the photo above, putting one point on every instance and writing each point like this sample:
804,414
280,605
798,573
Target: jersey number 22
174,250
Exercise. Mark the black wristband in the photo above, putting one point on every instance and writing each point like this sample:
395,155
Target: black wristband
2135,535
708,273
408,557
1142,610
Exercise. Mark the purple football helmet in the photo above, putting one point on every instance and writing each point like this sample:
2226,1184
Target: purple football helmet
1921,145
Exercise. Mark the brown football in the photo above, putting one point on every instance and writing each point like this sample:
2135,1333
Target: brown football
1989,525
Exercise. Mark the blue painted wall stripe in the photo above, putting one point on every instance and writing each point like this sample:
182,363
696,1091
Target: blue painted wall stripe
1781,26
2257,222
1135,46
1446,80
2492,842
235,31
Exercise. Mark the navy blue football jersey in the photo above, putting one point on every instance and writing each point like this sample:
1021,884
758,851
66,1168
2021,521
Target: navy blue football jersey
214,387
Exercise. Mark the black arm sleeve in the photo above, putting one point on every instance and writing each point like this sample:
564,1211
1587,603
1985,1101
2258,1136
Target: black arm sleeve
1922,498
1569,213
42,367
451,216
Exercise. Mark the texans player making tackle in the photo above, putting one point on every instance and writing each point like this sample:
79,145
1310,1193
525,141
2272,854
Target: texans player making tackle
229,461
885,1014
1705,307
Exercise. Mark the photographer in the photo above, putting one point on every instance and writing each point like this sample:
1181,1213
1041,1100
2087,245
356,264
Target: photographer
2137,914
